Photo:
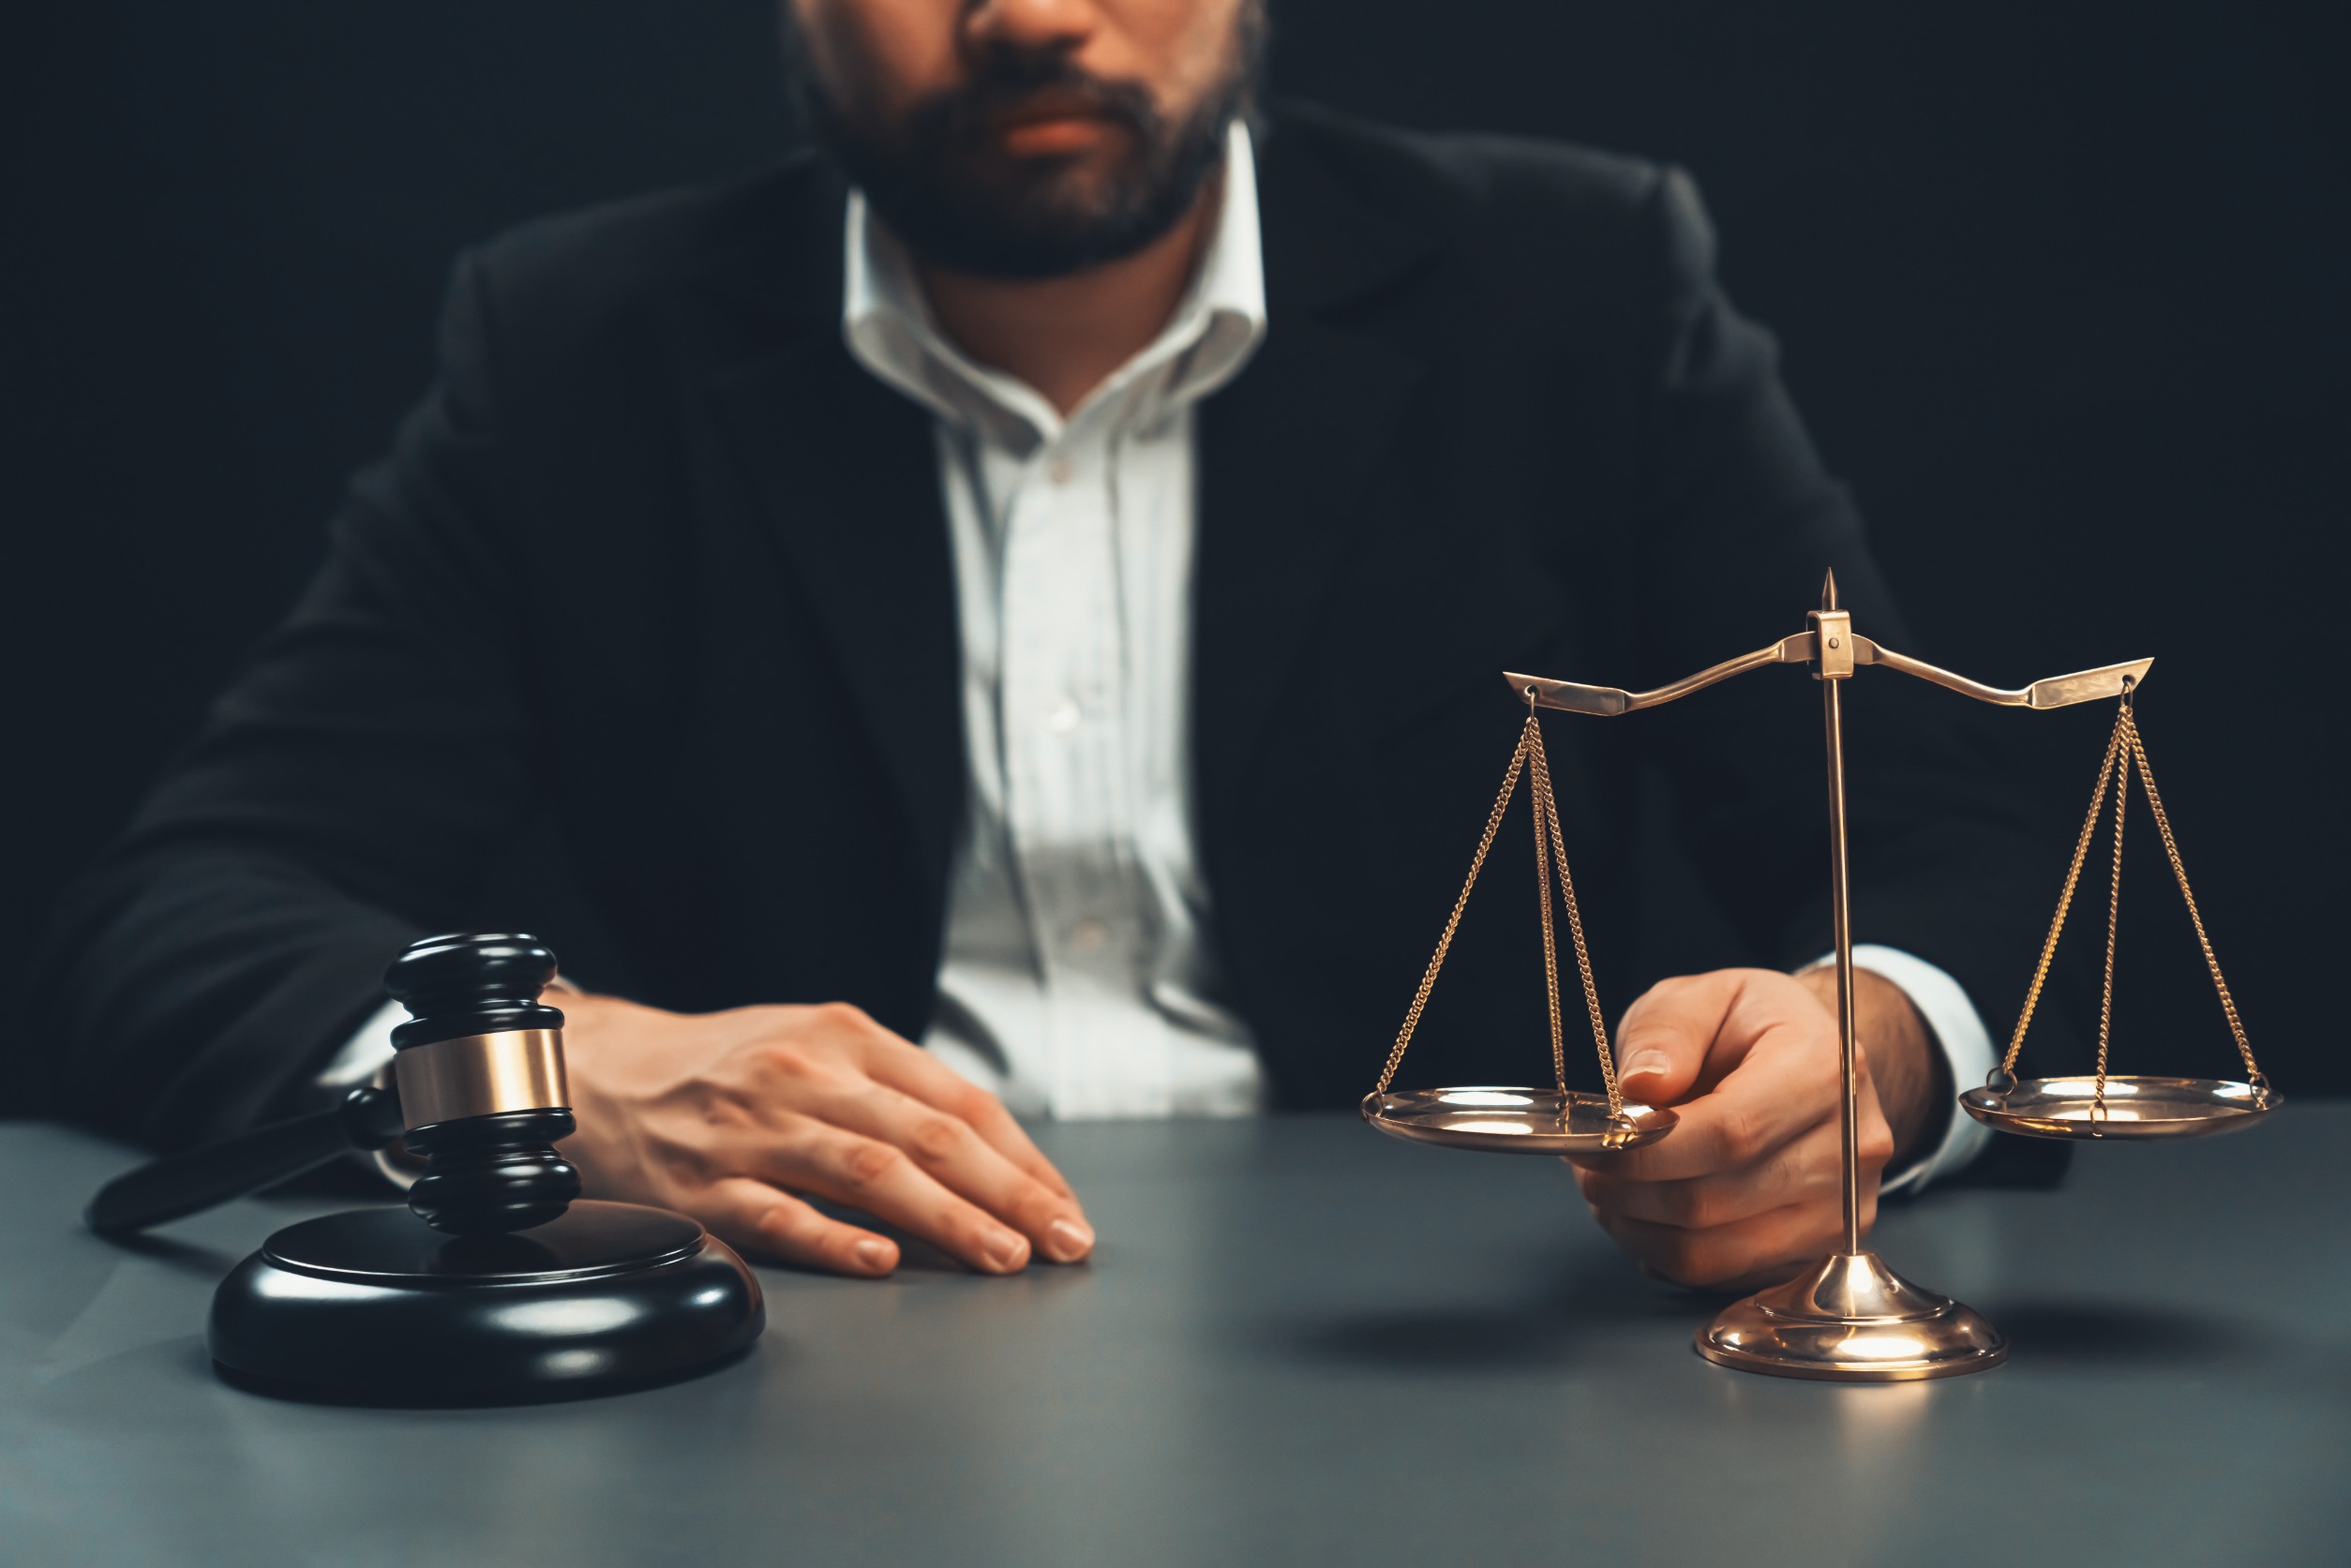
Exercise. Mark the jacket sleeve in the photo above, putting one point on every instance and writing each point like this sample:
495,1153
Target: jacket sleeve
1739,523
341,798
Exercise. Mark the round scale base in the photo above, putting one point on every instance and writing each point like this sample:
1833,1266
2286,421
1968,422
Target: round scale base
1515,1121
1851,1319
375,1306
2135,1107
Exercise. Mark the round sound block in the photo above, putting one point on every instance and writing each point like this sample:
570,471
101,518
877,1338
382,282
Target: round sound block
375,1306
1511,1121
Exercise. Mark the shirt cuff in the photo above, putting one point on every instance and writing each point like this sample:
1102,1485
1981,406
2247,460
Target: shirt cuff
365,1053
1966,1044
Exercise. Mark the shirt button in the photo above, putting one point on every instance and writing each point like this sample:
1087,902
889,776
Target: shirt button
1088,935
1060,471
1063,717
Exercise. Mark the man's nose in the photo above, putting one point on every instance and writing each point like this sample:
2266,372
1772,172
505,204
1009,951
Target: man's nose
1031,24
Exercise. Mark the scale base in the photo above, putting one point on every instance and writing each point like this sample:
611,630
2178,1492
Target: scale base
1851,1319
374,1307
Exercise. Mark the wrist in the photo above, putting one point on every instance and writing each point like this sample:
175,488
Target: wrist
1906,1069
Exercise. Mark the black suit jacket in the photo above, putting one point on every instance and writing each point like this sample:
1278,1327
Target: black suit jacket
656,563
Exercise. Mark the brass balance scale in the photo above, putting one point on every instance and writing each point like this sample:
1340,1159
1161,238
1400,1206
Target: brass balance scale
1849,1317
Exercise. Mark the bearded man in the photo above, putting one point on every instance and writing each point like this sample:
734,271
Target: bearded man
1004,612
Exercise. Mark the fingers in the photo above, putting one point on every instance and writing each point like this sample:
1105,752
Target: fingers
754,1217
1781,1090
774,1103
1749,1183
1771,1073
1667,1035
1809,1168
952,1154
884,1181
912,1070
955,1130
1759,1250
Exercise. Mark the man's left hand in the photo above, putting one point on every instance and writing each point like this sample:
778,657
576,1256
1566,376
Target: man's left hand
1746,1189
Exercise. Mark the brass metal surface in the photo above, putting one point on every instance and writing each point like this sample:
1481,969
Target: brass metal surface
1607,701
1833,644
1829,623
1515,1121
1550,853
2180,1113
1796,1335
2057,690
2126,1106
481,1075
1851,1319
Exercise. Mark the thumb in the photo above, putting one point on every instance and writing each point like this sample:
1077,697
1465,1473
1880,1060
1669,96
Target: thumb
1665,1038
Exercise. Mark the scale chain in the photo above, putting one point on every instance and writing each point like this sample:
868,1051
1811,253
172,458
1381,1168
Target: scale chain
2129,749
1550,804
1453,921
1549,844
2180,872
2065,898
1538,791
2114,924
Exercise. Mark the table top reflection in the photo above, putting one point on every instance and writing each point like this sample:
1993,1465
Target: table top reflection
1299,1341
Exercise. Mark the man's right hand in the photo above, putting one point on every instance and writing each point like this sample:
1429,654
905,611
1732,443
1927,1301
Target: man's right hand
736,1117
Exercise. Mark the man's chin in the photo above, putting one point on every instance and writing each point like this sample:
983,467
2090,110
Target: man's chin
1039,197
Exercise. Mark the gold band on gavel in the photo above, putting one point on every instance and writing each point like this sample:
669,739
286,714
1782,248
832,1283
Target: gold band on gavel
481,1075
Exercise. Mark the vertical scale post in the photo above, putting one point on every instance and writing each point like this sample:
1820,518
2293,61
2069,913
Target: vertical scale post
1848,1318
1834,666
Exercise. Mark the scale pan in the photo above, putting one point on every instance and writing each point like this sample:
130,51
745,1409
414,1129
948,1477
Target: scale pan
1515,1121
2136,1107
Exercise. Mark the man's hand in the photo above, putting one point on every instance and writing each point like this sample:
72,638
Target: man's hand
1746,1191
726,1116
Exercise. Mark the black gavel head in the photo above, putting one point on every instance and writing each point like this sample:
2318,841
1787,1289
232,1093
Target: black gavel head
480,1070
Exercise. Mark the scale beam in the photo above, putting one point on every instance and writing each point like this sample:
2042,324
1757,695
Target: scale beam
1608,701
2057,690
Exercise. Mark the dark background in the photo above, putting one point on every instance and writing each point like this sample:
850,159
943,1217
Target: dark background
2061,282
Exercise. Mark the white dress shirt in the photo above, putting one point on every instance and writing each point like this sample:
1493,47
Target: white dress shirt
1078,978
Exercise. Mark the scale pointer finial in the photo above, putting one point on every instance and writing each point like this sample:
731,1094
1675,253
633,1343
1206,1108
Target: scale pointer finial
1828,590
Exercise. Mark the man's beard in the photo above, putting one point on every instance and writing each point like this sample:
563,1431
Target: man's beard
941,180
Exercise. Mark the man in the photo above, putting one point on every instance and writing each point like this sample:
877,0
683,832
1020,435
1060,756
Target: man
1007,613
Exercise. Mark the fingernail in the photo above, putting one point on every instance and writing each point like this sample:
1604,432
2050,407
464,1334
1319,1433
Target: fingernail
1066,1241
1646,1061
1006,1251
874,1254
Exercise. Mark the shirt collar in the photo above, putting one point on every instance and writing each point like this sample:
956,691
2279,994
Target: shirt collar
887,322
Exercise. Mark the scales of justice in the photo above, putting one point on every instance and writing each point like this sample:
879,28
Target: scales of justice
1847,1317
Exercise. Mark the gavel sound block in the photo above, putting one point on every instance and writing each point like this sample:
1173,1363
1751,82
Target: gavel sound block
496,1284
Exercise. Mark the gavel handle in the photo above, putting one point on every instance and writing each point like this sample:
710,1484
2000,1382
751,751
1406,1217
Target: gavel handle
367,1119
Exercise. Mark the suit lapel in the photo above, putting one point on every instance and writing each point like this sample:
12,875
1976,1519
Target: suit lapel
1289,452
845,474
845,470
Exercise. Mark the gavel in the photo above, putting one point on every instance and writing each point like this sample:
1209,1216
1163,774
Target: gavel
427,1312
478,1090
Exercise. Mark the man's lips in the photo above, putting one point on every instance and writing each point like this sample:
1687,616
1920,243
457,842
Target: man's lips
1060,133
1047,126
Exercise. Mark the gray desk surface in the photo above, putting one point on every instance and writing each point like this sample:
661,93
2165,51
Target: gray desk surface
1299,1343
